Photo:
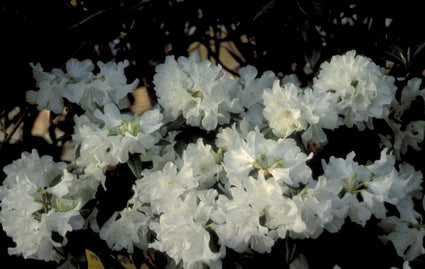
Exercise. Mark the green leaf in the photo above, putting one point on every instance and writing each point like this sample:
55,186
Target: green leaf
176,124
395,54
290,250
403,59
419,48
312,8
135,164
265,9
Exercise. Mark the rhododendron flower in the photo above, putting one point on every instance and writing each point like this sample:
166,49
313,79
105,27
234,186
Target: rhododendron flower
281,159
360,89
36,201
199,91
289,109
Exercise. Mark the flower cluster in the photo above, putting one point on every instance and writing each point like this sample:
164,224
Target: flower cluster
110,142
198,91
359,88
81,86
243,185
39,197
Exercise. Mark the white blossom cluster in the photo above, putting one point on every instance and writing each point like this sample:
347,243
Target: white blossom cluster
199,91
360,90
414,132
81,86
249,186
39,197
108,143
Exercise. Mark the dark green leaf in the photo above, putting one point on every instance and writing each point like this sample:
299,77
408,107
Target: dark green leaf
419,48
312,8
265,9
135,164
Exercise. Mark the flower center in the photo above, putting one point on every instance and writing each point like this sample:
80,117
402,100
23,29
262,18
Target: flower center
49,201
263,164
350,185
195,94
131,127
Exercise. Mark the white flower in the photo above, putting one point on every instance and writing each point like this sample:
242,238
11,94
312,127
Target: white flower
354,178
117,136
39,74
65,216
290,109
181,233
407,187
20,196
249,187
378,189
283,110
360,89
282,159
199,91
252,87
329,190
79,70
411,91
35,201
203,162
51,89
314,138
319,104
125,229
408,95
377,183
163,152
252,91
396,188
238,226
62,188
112,116
229,137
93,148
109,85
113,75
256,214
261,192
283,215
412,135
254,117
384,165
130,135
32,239
81,86
161,188
315,214
407,240
349,172
42,170
89,95
48,97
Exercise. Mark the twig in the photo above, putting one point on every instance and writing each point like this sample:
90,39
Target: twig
9,136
